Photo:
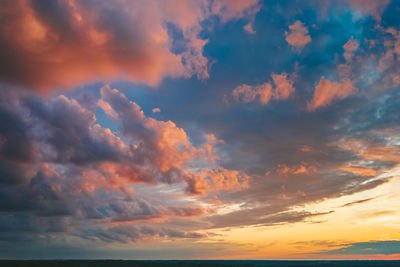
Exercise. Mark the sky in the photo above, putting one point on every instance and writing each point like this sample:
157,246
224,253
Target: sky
199,129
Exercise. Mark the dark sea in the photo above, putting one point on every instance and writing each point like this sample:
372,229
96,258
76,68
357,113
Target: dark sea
190,263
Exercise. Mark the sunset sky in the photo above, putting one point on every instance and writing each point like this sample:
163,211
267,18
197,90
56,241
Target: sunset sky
200,129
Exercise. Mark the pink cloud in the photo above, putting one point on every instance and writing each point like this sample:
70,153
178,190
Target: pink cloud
265,92
249,28
164,152
346,69
283,86
245,93
82,45
298,35
350,47
234,8
306,148
327,91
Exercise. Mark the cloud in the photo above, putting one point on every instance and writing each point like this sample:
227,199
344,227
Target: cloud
130,234
302,168
283,86
238,218
68,43
370,7
73,174
306,148
249,28
363,171
265,92
358,202
298,36
156,110
327,91
216,180
370,151
247,93
72,171
372,247
351,45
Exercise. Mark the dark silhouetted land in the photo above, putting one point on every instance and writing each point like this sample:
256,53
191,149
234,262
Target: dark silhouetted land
221,263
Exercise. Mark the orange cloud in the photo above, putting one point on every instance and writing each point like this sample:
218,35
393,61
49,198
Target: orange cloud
265,92
298,36
234,8
382,153
219,179
283,86
370,7
362,171
327,91
68,43
302,168
306,148
370,152
159,150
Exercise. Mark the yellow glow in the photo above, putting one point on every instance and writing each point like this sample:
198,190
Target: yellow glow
377,218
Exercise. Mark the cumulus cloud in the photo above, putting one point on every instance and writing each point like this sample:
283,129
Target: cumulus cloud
247,93
67,43
265,92
297,36
327,91
72,169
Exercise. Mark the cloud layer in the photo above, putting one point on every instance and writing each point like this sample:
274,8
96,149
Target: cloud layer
61,44
221,127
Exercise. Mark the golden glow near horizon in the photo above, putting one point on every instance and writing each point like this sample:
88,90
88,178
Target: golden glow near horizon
377,214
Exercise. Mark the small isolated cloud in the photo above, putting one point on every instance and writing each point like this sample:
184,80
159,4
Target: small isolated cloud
283,86
298,36
265,92
327,91
249,28
156,110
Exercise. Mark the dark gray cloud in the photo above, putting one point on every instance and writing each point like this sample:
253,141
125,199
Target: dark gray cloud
127,234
